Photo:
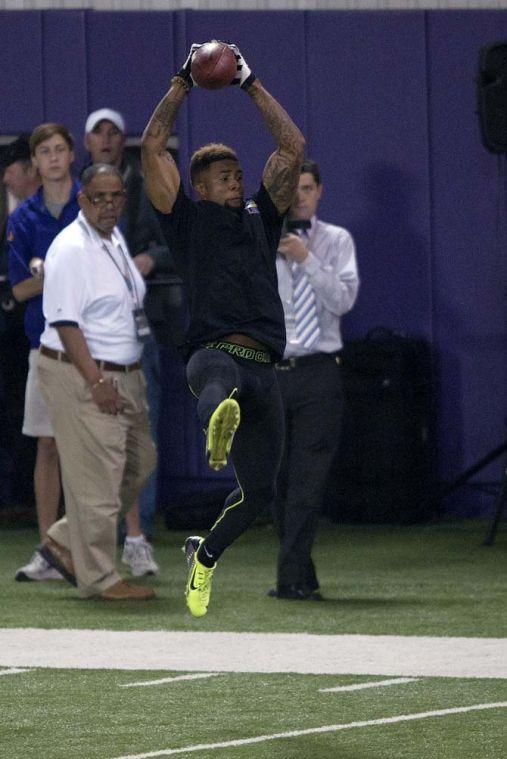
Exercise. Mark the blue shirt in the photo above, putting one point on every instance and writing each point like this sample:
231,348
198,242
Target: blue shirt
30,231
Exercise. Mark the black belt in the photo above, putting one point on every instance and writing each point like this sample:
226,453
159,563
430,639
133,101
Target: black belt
313,358
108,366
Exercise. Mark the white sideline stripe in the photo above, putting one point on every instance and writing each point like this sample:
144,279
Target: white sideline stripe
371,684
302,653
197,676
314,730
13,671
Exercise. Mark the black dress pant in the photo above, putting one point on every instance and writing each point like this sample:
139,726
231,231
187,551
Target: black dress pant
313,406
256,450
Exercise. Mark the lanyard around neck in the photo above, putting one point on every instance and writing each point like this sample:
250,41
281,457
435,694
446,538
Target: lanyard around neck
126,274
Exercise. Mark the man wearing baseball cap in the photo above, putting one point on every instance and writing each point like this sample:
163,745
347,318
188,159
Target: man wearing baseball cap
105,141
105,137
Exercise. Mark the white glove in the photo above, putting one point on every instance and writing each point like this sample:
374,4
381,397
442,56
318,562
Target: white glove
245,75
185,70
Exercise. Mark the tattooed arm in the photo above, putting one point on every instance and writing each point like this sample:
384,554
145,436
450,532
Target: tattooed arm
281,173
162,178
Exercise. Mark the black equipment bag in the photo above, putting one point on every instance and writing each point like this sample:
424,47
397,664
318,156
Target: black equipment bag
492,96
382,472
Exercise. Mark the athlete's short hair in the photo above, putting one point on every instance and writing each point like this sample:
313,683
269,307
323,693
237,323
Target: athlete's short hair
46,131
310,167
208,154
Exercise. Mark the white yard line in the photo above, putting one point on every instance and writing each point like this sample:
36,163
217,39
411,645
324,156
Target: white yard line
371,684
382,655
315,730
13,671
196,676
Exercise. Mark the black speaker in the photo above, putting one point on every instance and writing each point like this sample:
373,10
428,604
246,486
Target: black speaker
492,96
383,469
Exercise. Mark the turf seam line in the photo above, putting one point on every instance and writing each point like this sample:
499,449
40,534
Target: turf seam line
370,684
314,730
163,680
161,652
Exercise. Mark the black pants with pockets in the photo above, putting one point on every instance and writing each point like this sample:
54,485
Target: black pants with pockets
313,405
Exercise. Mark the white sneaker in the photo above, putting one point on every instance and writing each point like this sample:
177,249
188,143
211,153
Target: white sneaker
139,558
37,569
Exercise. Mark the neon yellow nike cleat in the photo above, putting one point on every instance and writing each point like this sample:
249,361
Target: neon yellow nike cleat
220,433
198,588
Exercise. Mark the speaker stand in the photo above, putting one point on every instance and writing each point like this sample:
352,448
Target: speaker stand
500,502
501,498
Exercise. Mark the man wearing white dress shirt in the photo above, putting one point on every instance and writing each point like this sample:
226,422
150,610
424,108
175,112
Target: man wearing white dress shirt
318,283
89,373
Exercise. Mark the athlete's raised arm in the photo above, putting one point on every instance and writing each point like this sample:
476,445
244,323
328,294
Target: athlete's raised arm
281,173
161,174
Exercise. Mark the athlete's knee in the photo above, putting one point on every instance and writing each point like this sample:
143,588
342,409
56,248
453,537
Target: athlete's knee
208,365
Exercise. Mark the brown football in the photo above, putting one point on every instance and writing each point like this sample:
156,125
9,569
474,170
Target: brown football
213,65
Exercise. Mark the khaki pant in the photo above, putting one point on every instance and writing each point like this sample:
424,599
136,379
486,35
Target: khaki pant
105,462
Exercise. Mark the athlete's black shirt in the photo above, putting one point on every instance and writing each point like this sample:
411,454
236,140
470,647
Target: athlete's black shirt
227,260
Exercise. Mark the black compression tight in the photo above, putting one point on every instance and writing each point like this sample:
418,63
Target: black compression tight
214,375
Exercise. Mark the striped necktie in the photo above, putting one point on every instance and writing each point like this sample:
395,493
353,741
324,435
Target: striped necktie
305,308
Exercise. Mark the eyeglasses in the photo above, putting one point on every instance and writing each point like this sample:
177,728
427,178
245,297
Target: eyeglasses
102,199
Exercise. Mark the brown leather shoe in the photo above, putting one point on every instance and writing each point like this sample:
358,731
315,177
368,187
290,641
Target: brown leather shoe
59,557
124,591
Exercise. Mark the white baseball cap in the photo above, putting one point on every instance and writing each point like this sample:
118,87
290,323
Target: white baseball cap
104,114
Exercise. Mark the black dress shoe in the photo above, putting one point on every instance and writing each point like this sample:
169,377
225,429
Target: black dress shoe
295,593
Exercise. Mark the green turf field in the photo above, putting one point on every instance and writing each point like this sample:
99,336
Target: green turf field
433,580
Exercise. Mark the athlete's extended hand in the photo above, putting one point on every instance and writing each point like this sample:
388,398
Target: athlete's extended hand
185,70
245,75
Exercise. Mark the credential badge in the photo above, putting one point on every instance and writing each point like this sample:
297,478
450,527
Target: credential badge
251,206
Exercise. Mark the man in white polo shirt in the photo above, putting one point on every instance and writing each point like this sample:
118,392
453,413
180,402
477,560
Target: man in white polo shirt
89,373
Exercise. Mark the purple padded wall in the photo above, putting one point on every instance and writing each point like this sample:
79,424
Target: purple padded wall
64,70
387,103
130,62
368,131
469,259
22,87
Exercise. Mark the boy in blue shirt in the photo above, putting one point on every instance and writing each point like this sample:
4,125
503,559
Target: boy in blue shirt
31,229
